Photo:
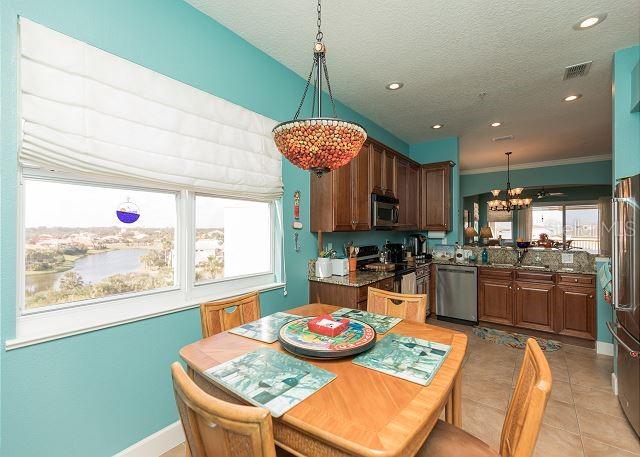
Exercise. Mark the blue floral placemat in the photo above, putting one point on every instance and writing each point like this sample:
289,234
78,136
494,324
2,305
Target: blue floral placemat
265,329
270,379
405,357
380,322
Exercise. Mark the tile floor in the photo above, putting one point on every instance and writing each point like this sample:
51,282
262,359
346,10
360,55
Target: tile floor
583,418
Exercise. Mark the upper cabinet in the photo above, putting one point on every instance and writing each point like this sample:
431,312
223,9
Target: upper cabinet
406,187
435,196
382,165
340,200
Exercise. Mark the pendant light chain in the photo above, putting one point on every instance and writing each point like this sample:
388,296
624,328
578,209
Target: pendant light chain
319,35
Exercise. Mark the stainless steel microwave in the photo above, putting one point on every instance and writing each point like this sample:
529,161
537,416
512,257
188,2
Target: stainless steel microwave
384,211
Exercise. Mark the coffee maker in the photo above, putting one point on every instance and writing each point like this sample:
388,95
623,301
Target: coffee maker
418,246
395,252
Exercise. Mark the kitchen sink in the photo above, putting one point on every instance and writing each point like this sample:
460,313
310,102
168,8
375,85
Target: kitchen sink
502,265
535,267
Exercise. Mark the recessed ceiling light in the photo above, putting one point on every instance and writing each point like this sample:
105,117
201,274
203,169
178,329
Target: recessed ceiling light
437,126
589,21
496,124
394,85
572,98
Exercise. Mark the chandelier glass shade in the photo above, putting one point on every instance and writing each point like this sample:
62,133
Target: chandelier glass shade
513,200
319,144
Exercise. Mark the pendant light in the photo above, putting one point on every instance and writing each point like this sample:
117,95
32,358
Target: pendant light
319,144
512,201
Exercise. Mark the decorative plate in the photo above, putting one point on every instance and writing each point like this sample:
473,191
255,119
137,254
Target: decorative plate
296,338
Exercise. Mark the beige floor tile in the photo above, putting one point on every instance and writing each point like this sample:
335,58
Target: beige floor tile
561,391
590,372
489,392
570,348
178,451
593,448
482,422
611,430
554,442
495,371
561,415
603,401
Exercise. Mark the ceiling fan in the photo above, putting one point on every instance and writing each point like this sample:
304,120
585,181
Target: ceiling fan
543,193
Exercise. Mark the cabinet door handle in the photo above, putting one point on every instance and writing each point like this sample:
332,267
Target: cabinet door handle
590,295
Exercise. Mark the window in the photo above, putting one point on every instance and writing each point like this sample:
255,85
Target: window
501,224
233,238
576,225
75,247
77,251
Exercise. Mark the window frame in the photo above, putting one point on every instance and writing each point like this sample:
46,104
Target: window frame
56,321
564,206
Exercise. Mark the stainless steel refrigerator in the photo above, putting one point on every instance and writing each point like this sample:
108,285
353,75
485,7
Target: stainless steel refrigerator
626,295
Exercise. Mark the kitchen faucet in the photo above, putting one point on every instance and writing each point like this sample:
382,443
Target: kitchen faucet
521,253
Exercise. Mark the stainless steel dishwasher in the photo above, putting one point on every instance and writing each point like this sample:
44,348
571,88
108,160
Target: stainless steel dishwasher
457,292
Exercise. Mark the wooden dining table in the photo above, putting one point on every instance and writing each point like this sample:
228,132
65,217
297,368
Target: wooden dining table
362,411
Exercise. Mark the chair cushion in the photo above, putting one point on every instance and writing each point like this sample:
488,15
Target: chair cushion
446,440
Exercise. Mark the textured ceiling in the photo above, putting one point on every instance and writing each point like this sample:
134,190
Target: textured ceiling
447,53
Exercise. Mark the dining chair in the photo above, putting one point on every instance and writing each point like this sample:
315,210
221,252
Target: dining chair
411,307
213,427
521,424
221,315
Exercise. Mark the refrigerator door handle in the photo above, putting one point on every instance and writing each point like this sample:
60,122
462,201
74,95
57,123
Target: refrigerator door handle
616,255
633,354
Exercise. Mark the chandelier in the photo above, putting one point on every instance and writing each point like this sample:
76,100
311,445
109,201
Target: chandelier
513,200
318,143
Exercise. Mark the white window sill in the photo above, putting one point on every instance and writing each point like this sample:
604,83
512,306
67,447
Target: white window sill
48,326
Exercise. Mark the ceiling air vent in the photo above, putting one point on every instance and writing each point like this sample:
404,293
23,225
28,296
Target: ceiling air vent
502,138
577,70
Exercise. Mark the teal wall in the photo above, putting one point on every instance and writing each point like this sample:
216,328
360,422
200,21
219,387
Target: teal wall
439,151
98,393
626,124
558,175
604,311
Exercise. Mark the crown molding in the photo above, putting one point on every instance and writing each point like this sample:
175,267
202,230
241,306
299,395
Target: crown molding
545,163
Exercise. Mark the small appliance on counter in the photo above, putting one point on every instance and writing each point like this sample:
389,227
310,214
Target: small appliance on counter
340,267
323,267
395,252
418,247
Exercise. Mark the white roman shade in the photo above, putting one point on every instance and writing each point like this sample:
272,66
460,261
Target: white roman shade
89,111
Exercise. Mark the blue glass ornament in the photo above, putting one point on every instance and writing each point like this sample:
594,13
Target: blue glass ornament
128,212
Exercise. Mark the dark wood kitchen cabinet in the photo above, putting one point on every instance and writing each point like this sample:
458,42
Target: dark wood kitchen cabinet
345,296
534,305
340,200
407,177
576,311
382,169
435,196
495,297
559,303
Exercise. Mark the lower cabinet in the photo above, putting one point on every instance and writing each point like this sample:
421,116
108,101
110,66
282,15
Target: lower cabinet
495,300
575,311
557,303
534,305
345,296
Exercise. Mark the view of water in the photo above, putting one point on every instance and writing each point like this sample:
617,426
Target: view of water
93,268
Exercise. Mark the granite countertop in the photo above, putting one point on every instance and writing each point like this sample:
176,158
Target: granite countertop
545,268
356,278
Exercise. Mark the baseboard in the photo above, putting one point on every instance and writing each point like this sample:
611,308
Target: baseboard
614,383
156,444
604,348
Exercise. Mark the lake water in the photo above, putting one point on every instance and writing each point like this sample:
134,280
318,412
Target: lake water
93,268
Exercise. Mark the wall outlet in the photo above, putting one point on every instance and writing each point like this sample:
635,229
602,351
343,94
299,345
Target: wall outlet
567,258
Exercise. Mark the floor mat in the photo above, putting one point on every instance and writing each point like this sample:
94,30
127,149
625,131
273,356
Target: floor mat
515,340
